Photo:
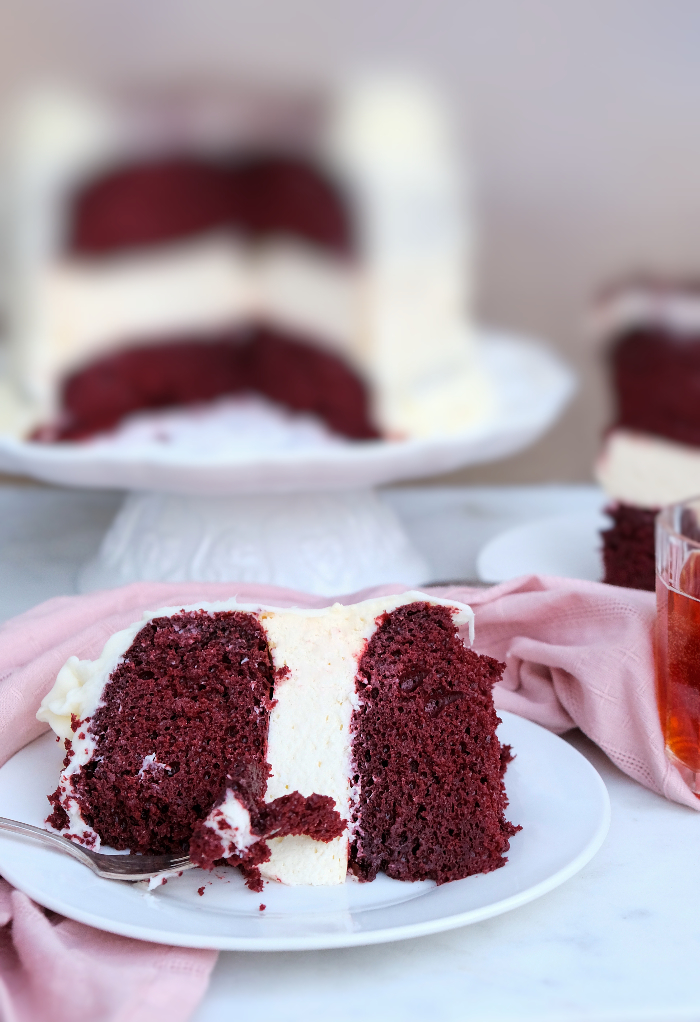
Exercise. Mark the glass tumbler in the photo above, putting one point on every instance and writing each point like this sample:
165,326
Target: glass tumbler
678,635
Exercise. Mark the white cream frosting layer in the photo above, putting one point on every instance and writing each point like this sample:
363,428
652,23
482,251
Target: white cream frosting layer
400,327
390,142
647,471
639,305
87,308
309,743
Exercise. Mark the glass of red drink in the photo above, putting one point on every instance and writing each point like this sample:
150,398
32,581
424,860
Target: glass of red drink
678,635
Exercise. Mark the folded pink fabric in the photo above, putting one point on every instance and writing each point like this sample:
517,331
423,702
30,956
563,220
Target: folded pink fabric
580,654
576,654
60,970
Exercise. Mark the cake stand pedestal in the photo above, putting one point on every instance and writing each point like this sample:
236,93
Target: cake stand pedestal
303,518
322,542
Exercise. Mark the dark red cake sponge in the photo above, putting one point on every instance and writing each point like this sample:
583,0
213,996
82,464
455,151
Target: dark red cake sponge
427,758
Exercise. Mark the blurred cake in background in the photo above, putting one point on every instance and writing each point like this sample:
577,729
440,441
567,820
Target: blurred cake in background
168,251
651,455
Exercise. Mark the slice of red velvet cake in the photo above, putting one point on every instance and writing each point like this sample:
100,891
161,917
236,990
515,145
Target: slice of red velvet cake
297,744
651,455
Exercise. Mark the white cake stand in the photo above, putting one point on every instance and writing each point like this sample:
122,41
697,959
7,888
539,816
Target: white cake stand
305,517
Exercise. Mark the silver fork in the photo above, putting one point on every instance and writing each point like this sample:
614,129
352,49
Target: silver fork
111,867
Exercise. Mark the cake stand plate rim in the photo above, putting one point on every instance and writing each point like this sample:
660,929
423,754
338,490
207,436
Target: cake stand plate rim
368,463
568,545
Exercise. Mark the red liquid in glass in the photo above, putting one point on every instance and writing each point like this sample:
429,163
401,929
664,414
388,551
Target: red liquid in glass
678,667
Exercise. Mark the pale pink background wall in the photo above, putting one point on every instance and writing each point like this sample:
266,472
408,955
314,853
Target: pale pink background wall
584,117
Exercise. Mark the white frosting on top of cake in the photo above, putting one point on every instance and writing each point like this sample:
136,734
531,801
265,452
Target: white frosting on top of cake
390,125
80,684
637,305
309,742
647,471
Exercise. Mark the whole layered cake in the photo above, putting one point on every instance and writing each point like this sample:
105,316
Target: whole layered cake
299,745
315,255
651,455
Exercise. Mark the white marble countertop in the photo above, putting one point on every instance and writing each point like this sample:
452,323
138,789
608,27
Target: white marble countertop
620,941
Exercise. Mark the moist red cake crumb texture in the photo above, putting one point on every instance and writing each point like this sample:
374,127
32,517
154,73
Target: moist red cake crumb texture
184,717
628,547
185,370
656,375
426,755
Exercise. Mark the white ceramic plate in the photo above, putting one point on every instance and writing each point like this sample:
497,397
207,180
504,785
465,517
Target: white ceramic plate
555,794
531,387
564,545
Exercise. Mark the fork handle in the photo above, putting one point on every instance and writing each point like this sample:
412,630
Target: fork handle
44,837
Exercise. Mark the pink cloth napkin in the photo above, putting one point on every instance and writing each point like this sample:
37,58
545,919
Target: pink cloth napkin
53,968
576,654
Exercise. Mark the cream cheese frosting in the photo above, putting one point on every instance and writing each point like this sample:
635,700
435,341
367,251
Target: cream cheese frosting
647,471
88,308
640,305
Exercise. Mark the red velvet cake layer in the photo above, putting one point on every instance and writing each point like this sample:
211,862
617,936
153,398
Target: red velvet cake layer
187,708
656,376
628,547
184,718
170,199
281,367
427,758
